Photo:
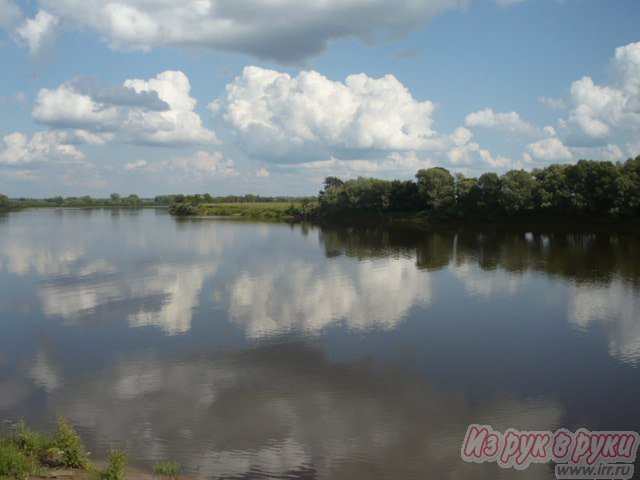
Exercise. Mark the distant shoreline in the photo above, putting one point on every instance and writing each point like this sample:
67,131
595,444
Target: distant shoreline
419,220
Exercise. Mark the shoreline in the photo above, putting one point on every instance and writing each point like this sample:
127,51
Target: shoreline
421,221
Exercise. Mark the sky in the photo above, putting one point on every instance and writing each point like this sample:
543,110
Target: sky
270,96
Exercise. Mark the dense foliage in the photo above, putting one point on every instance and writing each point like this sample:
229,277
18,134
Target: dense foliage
5,203
115,200
588,189
199,199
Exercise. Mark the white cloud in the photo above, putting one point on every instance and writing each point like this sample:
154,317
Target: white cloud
609,152
396,163
199,166
547,150
600,113
262,173
204,164
276,115
283,30
159,111
137,166
552,103
43,147
39,32
64,107
9,13
177,125
461,149
509,122
497,161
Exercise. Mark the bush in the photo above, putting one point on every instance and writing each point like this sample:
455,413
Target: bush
33,443
182,209
16,463
117,465
167,469
67,439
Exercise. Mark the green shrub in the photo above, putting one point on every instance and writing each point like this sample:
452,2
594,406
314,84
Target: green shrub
31,442
167,469
16,463
117,465
182,209
67,439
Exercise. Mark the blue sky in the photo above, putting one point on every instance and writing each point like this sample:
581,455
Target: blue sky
269,97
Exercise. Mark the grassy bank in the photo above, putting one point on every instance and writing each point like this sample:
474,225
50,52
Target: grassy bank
268,210
27,453
419,219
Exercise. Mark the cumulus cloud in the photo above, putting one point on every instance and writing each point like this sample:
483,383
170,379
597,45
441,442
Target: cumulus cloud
63,107
552,103
547,150
199,166
277,115
497,161
120,95
39,32
600,113
177,125
286,31
609,152
509,122
396,163
9,13
42,147
159,111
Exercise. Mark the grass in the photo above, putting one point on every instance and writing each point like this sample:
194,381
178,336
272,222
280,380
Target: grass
117,466
25,452
255,210
34,443
167,469
68,441
16,463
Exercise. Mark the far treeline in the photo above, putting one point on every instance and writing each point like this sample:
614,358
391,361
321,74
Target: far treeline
586,190
117,200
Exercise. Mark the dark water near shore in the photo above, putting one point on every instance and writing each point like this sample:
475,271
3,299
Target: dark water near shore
256,350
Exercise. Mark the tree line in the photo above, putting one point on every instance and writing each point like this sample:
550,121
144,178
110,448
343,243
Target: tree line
115,200
587,189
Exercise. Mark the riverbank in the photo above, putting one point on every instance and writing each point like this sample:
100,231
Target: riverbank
259,210
422,220
27,453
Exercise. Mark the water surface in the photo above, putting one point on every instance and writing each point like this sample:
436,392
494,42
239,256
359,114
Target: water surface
258,350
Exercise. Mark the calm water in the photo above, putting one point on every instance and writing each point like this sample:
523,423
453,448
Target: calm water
255,350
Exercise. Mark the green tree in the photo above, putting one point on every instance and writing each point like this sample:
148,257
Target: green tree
468,195
594,186
404,196
436,187
628,186
517,192
489,185
552,191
